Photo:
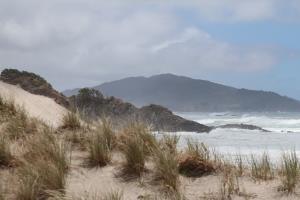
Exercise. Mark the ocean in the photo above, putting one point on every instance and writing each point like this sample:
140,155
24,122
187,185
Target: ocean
284,133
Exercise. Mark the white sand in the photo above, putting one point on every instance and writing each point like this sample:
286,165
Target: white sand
83,181
41,107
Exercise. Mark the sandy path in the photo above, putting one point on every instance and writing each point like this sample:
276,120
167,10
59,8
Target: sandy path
37,106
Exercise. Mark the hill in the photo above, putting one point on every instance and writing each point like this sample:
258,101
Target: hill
94,105
180,93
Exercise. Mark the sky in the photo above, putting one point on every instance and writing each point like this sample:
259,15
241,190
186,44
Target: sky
252,44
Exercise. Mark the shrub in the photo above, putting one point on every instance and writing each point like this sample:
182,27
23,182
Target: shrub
261,168
289,171
195,162
71,121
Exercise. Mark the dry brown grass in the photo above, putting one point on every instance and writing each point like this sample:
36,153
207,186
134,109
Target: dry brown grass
6,156
196,160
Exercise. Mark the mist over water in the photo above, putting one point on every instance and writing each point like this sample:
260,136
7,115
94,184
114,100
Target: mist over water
284,132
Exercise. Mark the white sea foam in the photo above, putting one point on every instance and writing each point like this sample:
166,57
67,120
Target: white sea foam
284,135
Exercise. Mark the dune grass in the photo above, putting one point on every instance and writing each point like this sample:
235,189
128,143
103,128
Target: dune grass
240,165
7,109
261,167
229,183
18,124
136,142
5,153
99,153
166,169
165,159
101,143
289,172
106,128
169,143
44,168
112,195
71,121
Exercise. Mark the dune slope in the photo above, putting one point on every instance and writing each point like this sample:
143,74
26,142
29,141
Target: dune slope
41,107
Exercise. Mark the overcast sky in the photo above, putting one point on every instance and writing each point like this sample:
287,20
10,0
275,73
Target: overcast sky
252,44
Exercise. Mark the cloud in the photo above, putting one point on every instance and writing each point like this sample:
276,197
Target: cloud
79,42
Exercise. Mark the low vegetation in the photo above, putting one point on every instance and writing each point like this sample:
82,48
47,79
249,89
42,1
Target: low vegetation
229,184
166,169
289,171
44,168
99,152
261,167
136,143
71,121
196,161
7,109
6,156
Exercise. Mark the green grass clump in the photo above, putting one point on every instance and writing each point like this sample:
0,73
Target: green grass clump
7,109
289,172
136,143
169,143
166,168
20,125
44,167
98,149
135,154
262,168
100,144
71,121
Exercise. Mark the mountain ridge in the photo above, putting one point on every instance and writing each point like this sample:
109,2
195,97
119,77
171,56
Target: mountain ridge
181,93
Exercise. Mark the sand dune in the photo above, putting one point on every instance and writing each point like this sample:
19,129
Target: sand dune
37,106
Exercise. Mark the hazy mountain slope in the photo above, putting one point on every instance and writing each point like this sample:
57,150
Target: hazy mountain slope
41,107
185,94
